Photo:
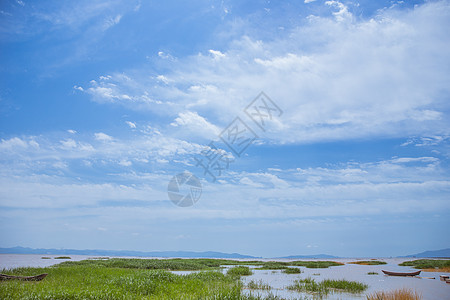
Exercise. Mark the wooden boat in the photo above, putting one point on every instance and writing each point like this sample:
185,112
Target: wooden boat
401,274
24,278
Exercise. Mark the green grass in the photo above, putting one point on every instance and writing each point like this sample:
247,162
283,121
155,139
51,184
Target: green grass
193,264
149,264
372,273
315,264
273,265
63,257
258,285
120,278
428,263
99,282
309,285
369,262
239,271
292,271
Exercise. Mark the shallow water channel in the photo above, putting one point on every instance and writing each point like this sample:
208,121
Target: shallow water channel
430,289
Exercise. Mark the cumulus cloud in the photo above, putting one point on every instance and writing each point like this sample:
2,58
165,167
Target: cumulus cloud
194,124
342,14
335,80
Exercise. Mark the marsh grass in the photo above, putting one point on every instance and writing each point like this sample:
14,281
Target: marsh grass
432,265
88,282
309,285
369,262
148,264
292,271
258,285
63,257
239,271
273,265
402,294
193,264
372,273
45,257
315,264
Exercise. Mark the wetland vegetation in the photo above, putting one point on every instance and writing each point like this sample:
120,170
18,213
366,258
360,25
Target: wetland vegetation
129,278
401,294
431,265
292,271
326,286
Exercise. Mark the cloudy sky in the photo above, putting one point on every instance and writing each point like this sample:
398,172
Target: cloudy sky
103,102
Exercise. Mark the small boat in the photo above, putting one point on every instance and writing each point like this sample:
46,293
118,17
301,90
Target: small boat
444,277
401,274
24,278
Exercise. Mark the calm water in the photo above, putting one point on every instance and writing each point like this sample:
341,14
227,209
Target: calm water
431,289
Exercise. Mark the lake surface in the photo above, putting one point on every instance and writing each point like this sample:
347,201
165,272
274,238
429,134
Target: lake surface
431,289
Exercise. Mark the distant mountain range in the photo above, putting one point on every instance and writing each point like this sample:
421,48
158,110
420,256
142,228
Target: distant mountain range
191,254
443,253
182,254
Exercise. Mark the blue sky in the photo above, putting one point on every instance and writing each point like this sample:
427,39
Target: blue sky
102,102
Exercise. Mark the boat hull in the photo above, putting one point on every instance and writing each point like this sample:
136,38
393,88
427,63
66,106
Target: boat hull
401,274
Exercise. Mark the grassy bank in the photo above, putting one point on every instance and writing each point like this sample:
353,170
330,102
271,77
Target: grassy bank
316,264
90,282
430,265
176,264
309,285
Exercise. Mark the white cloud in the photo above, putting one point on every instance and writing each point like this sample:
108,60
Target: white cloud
12,143
163,79
309,1
196,125
131,124
111,21
334,80
167,56
216,54
426,115
248,181
100,136
342,14
414,159
125,163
